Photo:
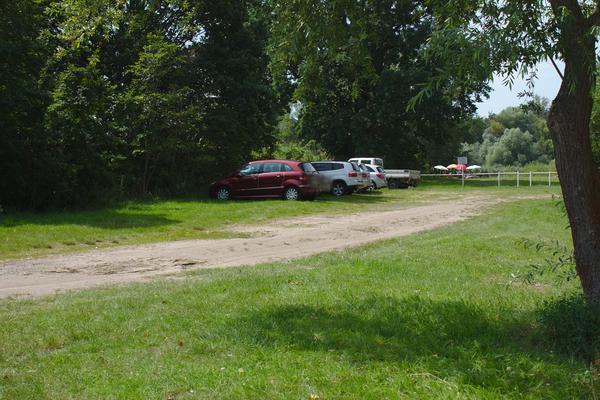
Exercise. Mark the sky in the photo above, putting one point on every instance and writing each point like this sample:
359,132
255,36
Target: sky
546,85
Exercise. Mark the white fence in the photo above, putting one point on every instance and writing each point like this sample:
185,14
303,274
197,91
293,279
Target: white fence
522,178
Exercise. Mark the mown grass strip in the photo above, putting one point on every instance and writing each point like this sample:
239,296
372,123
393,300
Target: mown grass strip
433,315
32,234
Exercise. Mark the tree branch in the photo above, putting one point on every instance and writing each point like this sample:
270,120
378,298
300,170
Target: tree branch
575,8
571,5
594,18
558,71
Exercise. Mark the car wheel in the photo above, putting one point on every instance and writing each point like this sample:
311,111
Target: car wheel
372,186
338,189
223,193
291,193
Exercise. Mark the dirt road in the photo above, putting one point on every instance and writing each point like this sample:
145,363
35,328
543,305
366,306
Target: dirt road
278,240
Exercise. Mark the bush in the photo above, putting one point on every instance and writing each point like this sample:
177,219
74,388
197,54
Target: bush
301,151
534,166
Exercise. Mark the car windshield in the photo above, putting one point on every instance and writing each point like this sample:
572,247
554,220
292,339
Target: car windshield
249,169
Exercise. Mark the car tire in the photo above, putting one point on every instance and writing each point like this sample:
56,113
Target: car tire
338,189
291,193
372,186
223,193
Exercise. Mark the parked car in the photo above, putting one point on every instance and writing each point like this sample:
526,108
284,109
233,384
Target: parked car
339,177
291,180
365,173
376,176
367,160
402,178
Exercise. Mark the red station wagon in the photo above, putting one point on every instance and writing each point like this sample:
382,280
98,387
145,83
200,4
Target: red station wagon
290,180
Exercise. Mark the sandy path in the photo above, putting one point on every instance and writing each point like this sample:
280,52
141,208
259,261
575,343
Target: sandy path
280,240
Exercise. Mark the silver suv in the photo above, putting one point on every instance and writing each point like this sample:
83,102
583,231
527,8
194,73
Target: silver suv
339,177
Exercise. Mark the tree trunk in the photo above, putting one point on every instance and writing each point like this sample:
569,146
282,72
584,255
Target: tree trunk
569,124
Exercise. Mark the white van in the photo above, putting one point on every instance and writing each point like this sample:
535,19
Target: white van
367,160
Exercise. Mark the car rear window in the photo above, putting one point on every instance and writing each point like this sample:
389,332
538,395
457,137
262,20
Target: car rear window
320,166
287,168
337,166
378,161
355,166
369,168
380,170
308,167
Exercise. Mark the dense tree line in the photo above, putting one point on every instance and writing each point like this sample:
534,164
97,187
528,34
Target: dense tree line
514,137
354,66
104,98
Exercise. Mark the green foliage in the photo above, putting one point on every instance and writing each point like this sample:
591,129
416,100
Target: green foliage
129,97
25,157
559,261
303,151
354,67
514,146
595,127
517,136
509,37
290,145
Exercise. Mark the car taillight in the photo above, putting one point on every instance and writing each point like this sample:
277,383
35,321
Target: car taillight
352,174
381,176
364,174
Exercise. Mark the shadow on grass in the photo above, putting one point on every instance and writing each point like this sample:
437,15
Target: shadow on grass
373,197
451,339
103,219
573,326
134,215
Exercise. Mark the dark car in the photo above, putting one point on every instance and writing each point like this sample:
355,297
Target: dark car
290,180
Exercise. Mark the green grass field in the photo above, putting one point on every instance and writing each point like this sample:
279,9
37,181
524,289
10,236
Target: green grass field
31,234
434,315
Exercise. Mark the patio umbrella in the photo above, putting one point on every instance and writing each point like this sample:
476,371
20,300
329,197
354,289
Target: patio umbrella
461,167
452,166
440,168
472,167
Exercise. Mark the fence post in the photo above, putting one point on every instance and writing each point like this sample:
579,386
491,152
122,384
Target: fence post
498,178
549,179
517,178
462,173
529,178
